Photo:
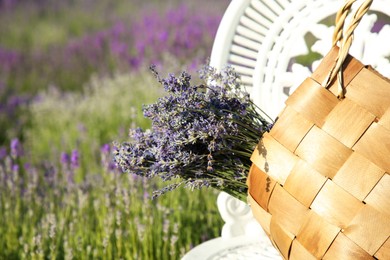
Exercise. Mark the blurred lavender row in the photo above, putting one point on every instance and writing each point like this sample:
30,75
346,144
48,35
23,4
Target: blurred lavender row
178,38
184,34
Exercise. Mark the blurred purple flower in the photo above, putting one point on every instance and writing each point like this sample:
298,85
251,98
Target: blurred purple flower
3,152
119,48
16,101
10,102
163,36
50,174
65,158
8,4
27,166
9,59
112,166
15,168
74,159
135,62
107,158
105,149
15,148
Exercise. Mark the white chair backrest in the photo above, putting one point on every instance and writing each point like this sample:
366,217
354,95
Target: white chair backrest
267,42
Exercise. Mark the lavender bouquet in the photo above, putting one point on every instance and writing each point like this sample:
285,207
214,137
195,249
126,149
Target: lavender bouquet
201,135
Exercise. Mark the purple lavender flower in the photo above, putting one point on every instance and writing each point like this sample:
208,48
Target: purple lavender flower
27,167
74,159
15,168
3,152
106,158
65,159
69,163
105,149
112,167
202,135
135,62
15,148
9,59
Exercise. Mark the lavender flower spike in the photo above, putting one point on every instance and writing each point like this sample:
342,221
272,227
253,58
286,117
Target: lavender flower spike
201,135
16,148
65,158
74,159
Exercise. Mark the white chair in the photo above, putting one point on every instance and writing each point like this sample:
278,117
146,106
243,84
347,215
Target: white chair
241,236
265,40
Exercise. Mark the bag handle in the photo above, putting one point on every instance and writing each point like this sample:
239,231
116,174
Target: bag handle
344,38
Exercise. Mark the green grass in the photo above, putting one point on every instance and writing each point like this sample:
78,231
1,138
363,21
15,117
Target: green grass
103,113
106,217
102,215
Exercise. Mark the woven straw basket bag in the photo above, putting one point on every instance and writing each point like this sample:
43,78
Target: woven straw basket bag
319,184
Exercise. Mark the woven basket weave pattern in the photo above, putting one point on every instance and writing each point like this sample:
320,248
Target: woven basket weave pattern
320,183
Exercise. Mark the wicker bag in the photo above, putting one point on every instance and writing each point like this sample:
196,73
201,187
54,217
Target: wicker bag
319,184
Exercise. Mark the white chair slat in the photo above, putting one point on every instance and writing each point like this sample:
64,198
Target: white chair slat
245,42
255,16
249,23
227,30
284,3
243,61
248,33
243,52
274,6
246,80
265,10
243,70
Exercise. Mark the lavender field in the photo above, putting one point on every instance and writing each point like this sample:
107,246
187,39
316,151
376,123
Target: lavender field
73,78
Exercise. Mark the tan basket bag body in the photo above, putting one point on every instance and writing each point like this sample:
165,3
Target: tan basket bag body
319,184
